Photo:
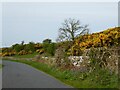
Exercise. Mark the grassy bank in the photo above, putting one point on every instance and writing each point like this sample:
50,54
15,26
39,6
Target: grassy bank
1,66
96,79
26,56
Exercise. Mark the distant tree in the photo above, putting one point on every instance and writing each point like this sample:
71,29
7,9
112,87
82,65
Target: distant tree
49,47
22,42
70,29
47,41
32,46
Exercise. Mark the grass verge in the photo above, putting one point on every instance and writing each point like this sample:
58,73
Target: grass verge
1,66
26,56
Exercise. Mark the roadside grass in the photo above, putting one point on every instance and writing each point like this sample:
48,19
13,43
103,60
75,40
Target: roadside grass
1,66
26,56
77,79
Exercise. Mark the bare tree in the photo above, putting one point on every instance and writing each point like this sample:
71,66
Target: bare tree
71,28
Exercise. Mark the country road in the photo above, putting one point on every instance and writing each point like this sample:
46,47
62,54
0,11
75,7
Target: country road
18,75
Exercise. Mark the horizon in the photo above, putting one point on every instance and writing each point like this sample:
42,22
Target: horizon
42,20
51,39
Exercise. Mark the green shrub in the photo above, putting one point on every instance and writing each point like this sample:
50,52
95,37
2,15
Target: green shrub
49,47
29,47
17,47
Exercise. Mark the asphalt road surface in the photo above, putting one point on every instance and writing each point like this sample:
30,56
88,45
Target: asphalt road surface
18,75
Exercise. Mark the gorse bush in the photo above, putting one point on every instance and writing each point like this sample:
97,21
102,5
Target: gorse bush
23,49
106,38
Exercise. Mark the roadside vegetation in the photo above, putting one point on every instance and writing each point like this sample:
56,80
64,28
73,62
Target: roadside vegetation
100,51
1,66
95,79
26,56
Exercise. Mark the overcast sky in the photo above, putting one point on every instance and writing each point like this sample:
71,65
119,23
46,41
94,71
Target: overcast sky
38,21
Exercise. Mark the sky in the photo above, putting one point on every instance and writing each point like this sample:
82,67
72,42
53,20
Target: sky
0,25
36,21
